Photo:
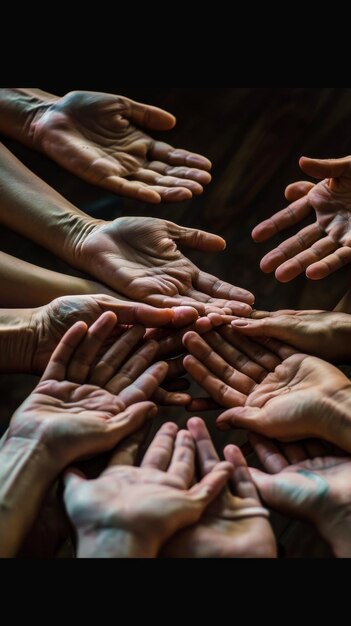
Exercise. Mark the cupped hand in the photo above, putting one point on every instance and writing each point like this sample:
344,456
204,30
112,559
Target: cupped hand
99,137
82,407
139,258
308,482
132,511
319,333
325,246
50,322
303,397
235,525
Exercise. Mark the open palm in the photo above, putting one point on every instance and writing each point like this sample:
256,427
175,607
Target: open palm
325,246
90,134
139,256
308,482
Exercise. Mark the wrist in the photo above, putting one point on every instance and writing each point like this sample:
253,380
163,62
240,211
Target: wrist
17,340
26,473
19,109
112,543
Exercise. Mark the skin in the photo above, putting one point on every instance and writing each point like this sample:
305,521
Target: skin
29,336
137,257
319,333
100,138
131,512
323,247
307,482
69,417
216,534
303,397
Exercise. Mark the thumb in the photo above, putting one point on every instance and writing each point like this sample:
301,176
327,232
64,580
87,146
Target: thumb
148,116
72,478
295,191
264,483
325,168
197,239
249,418
265,327
212,484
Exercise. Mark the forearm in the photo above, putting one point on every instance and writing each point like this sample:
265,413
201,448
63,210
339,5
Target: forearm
18,107
26,473
32,208
17,340
25,285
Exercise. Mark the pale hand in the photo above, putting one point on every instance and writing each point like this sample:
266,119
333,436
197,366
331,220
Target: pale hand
132,511
308,482
325,246
81,408
319,333
220,533
49,323
99,138
139,258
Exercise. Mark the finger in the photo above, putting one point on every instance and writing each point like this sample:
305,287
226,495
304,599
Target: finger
196,239
323,248
127,451
268,453
294,452
325,168
154,178
86,353
219,306
199,405
129,421
211,485
131,189
160,451
145,386
223,394
148,116
188,173
183,316
282,350
249,358
56,368
291,247
165,153
175,368
206,452
133,368
163,397
277,327
115,356
298,190
218,366
136,313
250,418
167,193
159,300
292,215
329,264
217,288
183,461
241,477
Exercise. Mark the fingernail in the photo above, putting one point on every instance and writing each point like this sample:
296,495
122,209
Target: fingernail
240,323
152,413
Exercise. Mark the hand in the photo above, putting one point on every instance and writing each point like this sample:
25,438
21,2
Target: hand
132,511
232,526
320,333
325,246
50,322
304,396
309,483
235,360
93,136
139,258
79,410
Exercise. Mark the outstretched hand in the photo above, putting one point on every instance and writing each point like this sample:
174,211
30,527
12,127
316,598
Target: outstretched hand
132,511
99,137
139,257
325,246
